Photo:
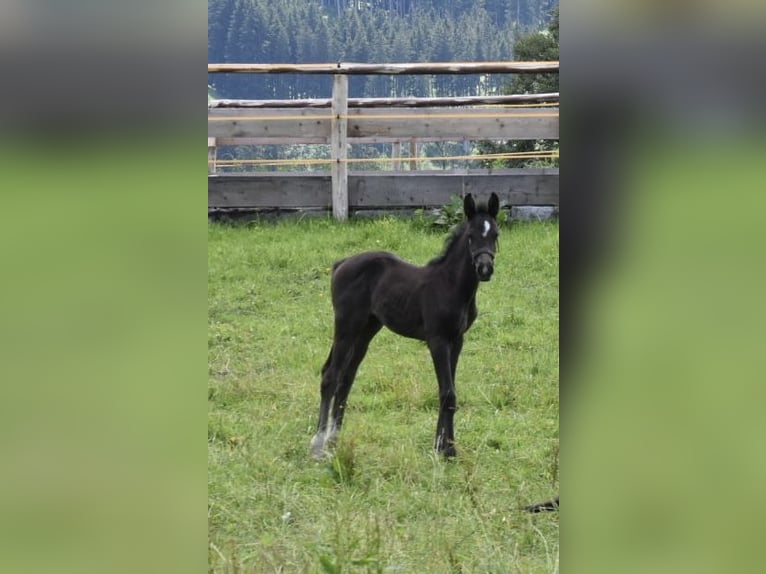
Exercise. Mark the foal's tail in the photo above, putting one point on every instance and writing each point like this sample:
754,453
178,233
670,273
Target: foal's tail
337,264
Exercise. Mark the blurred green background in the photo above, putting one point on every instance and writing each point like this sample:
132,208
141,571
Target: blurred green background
103,314
662,460
103,245
662,432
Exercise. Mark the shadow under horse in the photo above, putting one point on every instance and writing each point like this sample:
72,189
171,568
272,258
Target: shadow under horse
435,303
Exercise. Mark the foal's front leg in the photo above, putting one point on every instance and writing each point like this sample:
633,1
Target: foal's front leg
441,353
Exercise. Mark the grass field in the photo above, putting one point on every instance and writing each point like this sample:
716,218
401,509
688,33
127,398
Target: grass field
385,502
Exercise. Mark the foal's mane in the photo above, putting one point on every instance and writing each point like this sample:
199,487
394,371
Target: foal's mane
450,242
454,236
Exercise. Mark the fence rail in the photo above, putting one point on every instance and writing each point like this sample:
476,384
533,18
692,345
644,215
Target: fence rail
382,190
390,69
513,99
401,123
340,121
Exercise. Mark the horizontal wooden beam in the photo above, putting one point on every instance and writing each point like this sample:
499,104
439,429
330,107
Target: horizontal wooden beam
406,123
387,69
392,102
324,140
382,190
270,190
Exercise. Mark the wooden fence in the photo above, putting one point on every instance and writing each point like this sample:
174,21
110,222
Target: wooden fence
341,121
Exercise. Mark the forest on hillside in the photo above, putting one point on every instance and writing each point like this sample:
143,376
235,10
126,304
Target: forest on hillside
371,31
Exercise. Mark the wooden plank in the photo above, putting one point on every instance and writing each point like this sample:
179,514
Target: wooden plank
551,97
283,141
282,190
380,190
376,190
246,123
326,141
387,69
471,123
339,147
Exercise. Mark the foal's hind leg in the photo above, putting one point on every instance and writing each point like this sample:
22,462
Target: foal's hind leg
338,374
360,347
332,371
327,391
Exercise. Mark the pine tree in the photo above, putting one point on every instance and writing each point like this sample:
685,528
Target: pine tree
303,31
535,46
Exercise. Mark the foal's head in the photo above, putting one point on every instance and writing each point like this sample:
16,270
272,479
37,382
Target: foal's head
482,231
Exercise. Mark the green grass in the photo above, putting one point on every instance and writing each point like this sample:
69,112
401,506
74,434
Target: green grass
385,502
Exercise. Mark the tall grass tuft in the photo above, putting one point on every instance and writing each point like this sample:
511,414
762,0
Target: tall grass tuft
343,462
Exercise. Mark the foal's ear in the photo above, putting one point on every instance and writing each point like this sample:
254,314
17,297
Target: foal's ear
469,206
493,205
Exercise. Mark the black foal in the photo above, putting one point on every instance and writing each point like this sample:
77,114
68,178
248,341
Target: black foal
435,303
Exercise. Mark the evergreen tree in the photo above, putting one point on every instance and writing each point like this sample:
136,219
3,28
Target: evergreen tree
535,46
303,31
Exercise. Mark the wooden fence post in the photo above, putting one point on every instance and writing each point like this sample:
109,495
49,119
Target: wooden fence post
396,155
211,155
338,147
413,154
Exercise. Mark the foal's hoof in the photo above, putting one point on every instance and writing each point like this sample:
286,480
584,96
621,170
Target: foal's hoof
320,455
449,452
316,448
319,447
446,448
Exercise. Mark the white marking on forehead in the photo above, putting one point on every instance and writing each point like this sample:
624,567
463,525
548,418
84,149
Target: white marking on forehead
487,227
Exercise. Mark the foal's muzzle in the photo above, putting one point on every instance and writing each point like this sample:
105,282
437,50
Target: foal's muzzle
484,263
